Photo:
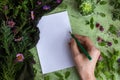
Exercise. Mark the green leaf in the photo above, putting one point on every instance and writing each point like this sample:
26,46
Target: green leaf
47,78
115,41
103,2
32,3
87,22
108,74
102,14
61,79
67,74
58,74
91,23
91,20
92,26
16,11
102,44
98,1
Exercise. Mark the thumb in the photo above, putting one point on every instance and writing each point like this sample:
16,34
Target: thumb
74,48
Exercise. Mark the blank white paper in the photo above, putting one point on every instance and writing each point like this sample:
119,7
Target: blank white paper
53,48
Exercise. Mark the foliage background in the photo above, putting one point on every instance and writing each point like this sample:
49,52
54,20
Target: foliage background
18,34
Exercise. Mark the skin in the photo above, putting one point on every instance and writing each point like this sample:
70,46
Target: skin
84,66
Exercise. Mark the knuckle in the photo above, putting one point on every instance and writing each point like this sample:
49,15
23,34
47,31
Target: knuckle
76,35
86,37
76,55
96,50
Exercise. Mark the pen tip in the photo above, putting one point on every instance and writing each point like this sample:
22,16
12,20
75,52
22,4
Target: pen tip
69,32
89,58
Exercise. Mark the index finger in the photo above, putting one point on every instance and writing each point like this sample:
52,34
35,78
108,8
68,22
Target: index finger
85,40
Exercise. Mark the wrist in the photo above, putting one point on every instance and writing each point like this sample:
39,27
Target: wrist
87,76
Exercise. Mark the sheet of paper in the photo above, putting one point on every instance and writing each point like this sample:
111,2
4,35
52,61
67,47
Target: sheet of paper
53,49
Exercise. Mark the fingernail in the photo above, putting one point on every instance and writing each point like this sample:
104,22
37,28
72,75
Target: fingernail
72,40
69,42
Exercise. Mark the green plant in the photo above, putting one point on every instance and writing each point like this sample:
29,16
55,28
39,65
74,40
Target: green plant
18,34
116,9
108,67
86,7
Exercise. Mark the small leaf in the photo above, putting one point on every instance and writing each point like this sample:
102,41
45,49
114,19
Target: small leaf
91,20
91,23
67,74
103,2
98,1
102,14
87,22
102,44
61,78
115,41
59,75
92,26
47,78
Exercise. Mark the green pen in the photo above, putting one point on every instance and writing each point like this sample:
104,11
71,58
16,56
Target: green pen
81,47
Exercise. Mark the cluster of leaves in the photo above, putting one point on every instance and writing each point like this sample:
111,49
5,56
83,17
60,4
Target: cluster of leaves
101,2
18,34
10,69
101,14
59,76
91,23
112,29
108,68
116,9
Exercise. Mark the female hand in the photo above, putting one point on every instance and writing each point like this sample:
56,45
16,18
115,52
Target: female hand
84,66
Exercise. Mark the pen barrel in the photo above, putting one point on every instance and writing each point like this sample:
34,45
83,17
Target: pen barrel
81,47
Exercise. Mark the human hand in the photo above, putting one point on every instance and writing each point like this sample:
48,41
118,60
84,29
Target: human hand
84,66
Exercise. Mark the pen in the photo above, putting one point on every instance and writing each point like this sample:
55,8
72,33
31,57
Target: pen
81,47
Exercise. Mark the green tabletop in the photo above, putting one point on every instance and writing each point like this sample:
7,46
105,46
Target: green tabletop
78,24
